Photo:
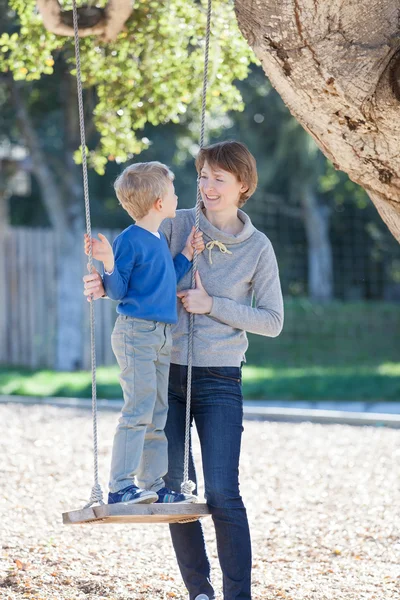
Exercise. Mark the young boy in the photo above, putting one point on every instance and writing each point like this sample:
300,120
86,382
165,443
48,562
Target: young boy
140,273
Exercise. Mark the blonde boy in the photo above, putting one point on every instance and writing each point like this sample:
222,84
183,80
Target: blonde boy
141,275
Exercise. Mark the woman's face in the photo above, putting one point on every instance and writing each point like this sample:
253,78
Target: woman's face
220,190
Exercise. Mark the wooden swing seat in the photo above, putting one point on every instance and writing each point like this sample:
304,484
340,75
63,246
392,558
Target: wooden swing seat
137,513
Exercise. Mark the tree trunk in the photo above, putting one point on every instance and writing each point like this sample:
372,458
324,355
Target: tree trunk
66,217
4,228
316,219
4,198
50,190
70,297
336,66
70,302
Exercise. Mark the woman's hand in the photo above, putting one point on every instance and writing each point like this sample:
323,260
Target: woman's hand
196,301
194,242
94,288
101,250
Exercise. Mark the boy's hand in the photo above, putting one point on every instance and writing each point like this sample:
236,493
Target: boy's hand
194,241
94,288
101,250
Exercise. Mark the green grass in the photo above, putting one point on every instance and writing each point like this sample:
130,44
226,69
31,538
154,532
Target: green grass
334,334
326,352
324,383
285,383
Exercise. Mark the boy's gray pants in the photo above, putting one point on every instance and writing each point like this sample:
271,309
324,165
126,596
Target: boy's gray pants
140,452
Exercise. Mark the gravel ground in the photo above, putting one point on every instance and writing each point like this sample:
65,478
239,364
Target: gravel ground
323,503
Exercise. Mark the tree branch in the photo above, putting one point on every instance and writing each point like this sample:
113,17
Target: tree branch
106,23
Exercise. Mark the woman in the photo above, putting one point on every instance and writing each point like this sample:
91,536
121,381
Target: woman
237,290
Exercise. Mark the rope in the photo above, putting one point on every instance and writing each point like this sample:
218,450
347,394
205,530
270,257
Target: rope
97,494
188,486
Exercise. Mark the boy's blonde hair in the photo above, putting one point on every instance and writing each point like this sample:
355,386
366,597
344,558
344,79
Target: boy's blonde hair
140,185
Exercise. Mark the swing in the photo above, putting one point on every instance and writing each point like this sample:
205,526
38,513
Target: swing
123,512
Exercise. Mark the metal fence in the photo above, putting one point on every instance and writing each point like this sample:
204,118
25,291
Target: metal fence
365,256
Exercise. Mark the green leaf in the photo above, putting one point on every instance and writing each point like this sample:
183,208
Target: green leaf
152,73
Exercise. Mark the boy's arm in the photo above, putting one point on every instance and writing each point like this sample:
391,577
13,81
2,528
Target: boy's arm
183,260
182,265
116,282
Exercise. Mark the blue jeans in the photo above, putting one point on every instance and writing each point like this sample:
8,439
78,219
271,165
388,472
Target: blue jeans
217,409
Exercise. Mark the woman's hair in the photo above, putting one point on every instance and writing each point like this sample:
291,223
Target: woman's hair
139,186
235,158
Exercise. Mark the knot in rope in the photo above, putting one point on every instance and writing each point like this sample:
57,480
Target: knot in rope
96,496
219,245
188,487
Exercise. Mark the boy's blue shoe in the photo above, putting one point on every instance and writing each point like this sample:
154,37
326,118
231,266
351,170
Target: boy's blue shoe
165,495
132,495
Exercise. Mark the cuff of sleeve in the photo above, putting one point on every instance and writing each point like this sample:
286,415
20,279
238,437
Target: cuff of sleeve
107,281
181,256
216,307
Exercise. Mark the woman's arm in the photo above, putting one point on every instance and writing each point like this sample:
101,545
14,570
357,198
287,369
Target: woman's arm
265,318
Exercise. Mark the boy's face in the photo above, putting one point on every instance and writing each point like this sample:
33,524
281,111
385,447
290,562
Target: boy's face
169,202
220,190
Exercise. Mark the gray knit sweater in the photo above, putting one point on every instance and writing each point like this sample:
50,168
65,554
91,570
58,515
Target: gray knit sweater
244,284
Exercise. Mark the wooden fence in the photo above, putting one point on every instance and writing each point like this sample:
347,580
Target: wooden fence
28,302
29,320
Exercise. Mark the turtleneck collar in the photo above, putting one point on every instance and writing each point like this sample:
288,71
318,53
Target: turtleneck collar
213,233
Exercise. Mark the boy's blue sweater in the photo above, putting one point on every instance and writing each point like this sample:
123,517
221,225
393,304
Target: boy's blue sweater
145,276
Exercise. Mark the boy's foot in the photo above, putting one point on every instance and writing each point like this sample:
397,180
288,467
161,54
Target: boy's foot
132,495
165,495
